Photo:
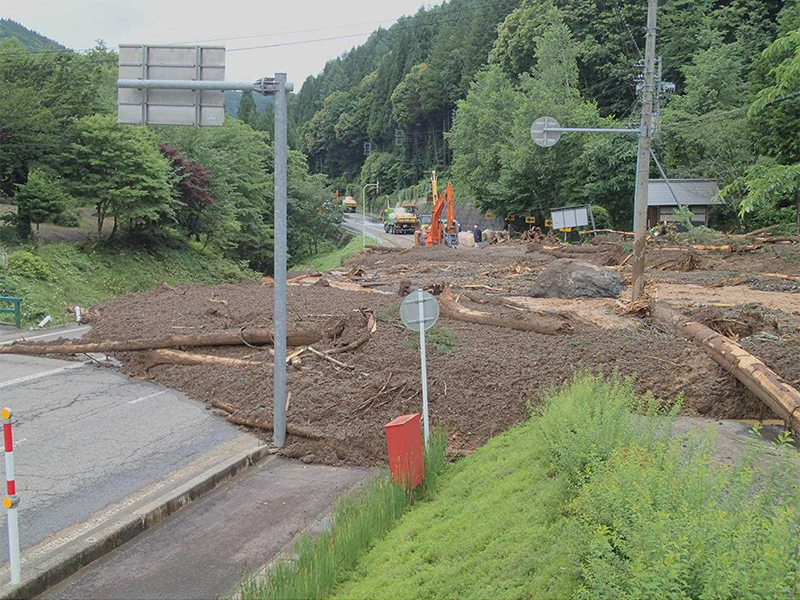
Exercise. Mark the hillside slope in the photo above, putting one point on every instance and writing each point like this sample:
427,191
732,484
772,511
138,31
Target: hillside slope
32,40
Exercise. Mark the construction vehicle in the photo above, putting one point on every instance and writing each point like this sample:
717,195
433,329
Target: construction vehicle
442,230
349,204
400,219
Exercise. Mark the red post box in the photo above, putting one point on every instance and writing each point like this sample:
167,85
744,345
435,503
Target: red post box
404,441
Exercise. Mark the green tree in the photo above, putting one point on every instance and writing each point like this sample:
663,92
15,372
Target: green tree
39,200
248,112
121,171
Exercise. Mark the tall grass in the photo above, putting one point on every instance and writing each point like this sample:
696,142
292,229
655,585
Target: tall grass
357,523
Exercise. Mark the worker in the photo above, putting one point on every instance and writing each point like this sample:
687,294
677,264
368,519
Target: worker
476,234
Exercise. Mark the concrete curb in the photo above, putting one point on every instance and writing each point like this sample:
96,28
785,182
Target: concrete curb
62,566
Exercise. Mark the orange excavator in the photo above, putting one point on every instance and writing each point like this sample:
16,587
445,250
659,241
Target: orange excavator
439,231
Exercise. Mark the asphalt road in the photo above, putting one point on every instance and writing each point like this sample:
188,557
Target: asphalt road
203,550
354,222
86,437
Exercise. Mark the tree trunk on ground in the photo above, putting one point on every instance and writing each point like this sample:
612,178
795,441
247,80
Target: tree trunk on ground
220,338
545,325
290,429
173,357
768,386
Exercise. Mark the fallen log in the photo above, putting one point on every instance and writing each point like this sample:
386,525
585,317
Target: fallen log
779,276
220,338
545,325
174,357
768,386
224,406
758,232
290,429
729,248
485,299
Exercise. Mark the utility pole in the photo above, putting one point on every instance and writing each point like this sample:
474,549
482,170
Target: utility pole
279,318
643,167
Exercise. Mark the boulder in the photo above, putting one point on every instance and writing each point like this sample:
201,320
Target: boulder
570,278
467,239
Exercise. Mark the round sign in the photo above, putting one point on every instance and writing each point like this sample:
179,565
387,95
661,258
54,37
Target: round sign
541,136
409,310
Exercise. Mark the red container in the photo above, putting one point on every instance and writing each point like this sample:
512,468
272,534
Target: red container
404,441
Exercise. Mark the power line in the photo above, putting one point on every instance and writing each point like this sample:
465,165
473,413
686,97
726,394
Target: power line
431,15
725,115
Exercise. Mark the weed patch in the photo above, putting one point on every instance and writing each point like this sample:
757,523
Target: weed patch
437,337
356,525
335,258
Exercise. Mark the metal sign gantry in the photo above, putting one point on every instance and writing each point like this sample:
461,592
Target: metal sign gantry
183,85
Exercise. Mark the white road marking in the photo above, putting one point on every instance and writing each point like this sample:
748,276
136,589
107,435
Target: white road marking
46,335
143,398
42,374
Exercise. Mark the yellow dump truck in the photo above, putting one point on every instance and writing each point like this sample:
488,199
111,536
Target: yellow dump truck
349,204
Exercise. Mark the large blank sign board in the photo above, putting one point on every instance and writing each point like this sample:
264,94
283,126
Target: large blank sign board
573,216
171,107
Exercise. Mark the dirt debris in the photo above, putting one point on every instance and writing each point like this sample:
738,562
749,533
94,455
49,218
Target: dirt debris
489,377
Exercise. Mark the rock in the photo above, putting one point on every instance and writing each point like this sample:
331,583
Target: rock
570,278
466,239
308,459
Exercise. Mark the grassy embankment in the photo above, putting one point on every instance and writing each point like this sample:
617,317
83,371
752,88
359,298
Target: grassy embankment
590,500
335,258
54,277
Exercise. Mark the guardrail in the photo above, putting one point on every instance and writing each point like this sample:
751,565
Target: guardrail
12,311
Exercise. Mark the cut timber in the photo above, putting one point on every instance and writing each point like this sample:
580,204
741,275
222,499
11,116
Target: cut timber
768,386
451,310
221,338
290,429
175,357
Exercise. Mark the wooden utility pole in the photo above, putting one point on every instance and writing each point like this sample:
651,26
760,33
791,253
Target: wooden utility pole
643,168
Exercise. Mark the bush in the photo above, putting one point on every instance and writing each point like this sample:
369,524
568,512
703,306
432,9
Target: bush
672,524
69,217
602,218
25,264
606,406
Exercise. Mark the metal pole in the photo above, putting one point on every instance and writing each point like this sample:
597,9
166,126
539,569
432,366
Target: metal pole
364,217
424,365
587,130
279,318
11,500
643,169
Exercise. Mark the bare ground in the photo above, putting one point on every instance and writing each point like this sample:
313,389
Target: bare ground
491,376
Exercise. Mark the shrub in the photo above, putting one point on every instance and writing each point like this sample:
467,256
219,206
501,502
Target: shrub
25,264
672,524
440,338
606,407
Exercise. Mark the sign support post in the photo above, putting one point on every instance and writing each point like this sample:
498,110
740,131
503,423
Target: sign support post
419,312
183,85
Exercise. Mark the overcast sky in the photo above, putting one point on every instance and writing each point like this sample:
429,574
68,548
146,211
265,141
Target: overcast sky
78,23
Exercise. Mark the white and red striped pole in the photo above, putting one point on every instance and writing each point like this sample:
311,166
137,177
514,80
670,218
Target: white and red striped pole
11,500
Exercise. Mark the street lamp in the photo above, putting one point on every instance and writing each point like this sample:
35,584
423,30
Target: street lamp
364,212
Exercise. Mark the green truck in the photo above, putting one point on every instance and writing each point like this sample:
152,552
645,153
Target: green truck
400,219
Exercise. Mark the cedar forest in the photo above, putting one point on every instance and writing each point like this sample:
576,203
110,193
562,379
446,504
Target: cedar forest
454,87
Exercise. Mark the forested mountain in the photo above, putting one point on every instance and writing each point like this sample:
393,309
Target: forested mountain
30,39
457,87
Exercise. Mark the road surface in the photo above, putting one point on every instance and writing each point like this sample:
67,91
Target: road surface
86,437
353,222
203,550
